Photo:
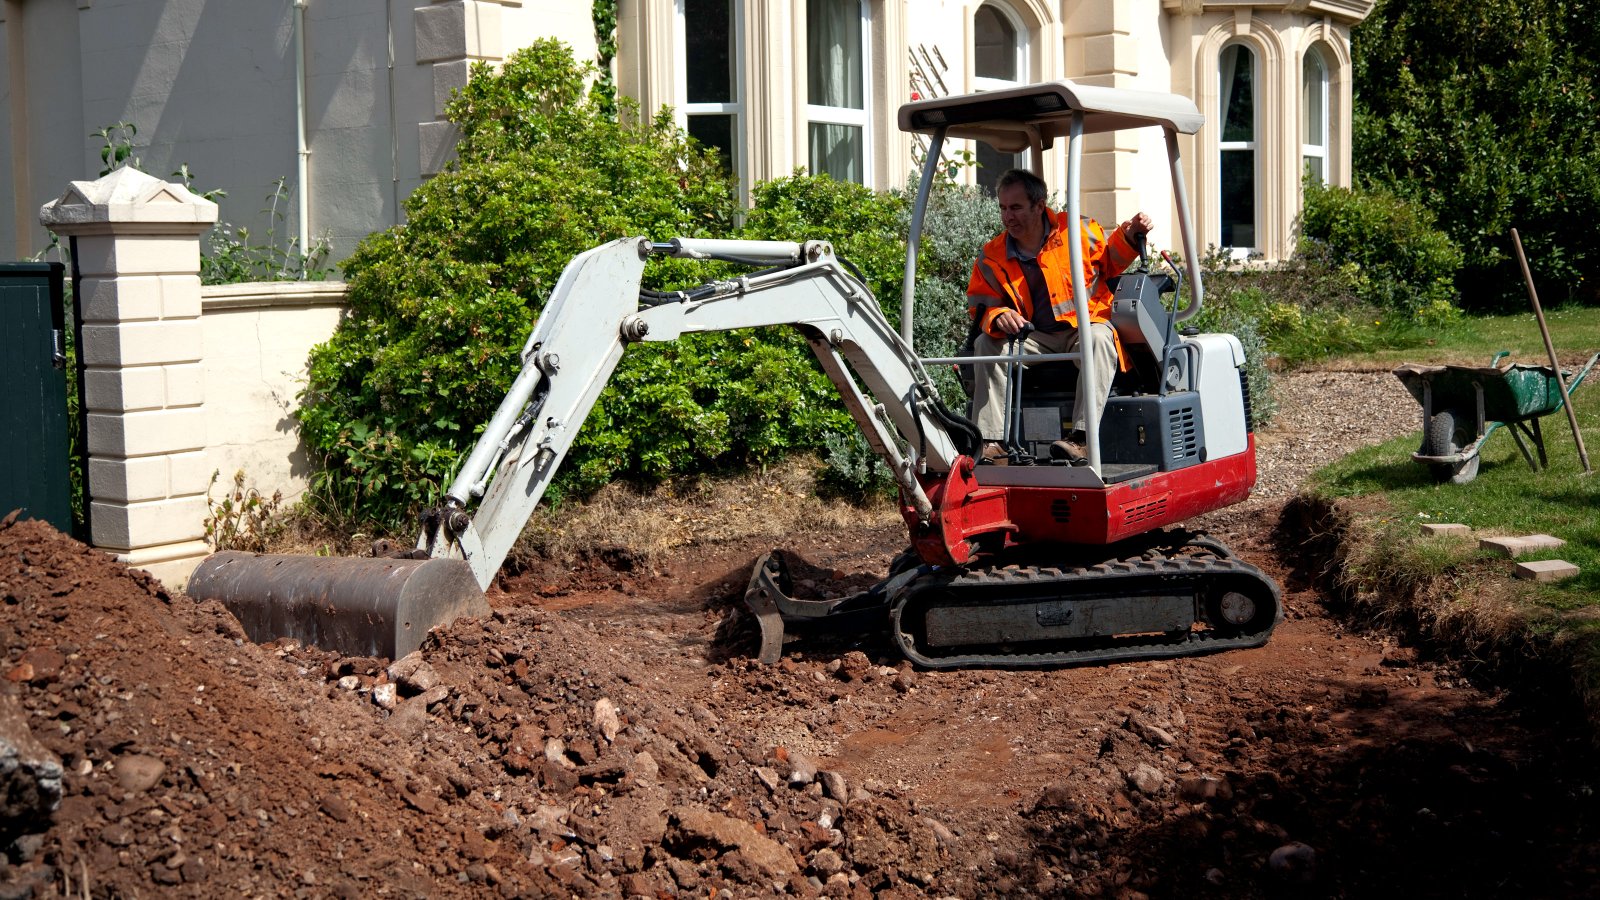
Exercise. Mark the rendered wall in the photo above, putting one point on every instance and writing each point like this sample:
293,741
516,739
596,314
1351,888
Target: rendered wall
211,84
257,339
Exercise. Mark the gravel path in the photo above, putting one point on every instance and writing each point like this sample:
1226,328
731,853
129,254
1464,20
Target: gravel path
1323,416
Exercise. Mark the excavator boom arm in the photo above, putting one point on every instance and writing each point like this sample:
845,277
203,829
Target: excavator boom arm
595,311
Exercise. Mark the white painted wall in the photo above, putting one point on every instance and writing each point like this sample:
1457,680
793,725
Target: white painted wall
211,83
257,341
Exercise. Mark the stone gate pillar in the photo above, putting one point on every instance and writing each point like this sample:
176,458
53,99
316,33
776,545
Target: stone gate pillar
138,258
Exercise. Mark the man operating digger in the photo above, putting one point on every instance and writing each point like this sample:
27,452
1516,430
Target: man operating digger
1023,277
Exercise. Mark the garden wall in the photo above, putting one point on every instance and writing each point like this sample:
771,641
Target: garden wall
257,338
179,381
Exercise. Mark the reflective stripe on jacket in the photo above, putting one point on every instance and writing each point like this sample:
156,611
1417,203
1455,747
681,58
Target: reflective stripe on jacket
998,283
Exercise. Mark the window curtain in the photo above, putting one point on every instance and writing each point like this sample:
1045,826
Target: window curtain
834,71
1230,69
836,151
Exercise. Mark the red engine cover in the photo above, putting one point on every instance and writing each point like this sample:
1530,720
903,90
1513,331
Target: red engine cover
964,510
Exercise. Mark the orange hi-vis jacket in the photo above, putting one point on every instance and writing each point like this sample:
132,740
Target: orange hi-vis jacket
998,282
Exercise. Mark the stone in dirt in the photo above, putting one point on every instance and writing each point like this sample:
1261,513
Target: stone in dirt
1204,788
802,770
384,696
413,673
834,785
138,773
606,720
704,827
1146,778
30,775
1437,528
1294,862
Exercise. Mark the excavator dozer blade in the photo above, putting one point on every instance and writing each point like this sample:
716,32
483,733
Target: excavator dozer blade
359,607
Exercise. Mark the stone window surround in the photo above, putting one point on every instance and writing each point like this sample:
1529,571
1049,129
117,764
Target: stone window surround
1278,123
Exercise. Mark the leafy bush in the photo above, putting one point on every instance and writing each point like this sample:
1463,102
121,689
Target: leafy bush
959,220
865,226
232,258
1485,111
440,306
851,470
1396,258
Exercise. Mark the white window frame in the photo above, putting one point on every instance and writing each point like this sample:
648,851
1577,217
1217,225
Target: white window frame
735,108
1021,49
844,115
1253,145
1317,151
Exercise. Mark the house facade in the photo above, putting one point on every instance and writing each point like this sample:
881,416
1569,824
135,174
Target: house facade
344,99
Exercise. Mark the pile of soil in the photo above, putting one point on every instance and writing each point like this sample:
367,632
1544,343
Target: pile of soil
594,738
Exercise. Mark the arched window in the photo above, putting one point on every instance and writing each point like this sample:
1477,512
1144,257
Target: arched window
712,77
1314,131
837,38
1237,167
999,60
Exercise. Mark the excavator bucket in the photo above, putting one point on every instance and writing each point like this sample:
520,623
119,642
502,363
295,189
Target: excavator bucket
359,607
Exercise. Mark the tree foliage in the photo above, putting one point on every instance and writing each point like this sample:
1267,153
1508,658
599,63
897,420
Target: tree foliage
1485,111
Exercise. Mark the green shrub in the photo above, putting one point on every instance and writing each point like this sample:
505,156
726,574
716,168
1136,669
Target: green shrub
440,306
1401,260
959,220
865,226
1485,111
851,470
234,256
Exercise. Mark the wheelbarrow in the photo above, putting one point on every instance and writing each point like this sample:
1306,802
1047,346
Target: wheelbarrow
1463,405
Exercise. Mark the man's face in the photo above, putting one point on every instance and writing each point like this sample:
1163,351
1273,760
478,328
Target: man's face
1018,215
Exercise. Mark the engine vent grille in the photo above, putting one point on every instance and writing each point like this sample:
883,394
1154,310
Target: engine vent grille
1144,510
1061,511
1244,388
1185,437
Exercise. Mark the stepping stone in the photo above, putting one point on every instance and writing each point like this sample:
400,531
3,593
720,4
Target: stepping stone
1452,528
1546,570
1516,546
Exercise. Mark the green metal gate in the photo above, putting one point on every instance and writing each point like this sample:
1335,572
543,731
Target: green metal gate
34,463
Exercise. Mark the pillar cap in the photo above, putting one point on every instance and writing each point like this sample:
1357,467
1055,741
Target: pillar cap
128,197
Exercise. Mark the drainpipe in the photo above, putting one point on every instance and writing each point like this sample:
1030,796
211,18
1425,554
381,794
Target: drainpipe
394,133
24,211
303,163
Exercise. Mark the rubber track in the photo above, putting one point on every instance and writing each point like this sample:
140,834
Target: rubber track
1214,561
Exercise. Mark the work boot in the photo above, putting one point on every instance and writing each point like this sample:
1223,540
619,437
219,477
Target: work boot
1069,450
994,454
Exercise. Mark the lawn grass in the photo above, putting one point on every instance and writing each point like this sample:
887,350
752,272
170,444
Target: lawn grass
1575,331
1462,598
1507,497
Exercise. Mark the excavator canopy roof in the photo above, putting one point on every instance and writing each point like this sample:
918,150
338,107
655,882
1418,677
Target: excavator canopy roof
1015,119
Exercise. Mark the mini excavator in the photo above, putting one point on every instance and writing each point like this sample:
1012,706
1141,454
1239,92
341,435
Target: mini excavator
1037,562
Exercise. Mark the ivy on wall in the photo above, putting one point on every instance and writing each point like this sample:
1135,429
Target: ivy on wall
604,13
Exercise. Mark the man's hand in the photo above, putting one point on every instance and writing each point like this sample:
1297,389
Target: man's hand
1009,321
1139,224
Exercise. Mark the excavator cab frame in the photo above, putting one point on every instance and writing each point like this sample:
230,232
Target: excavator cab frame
1034,117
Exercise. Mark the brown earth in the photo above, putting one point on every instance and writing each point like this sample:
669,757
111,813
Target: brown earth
596,737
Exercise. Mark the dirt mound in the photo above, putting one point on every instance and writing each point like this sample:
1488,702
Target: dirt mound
593,738
526,753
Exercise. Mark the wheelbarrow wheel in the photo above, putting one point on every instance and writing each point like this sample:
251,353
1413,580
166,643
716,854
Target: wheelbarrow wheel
1449,432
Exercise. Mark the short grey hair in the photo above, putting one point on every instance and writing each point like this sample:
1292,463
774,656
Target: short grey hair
1032,184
